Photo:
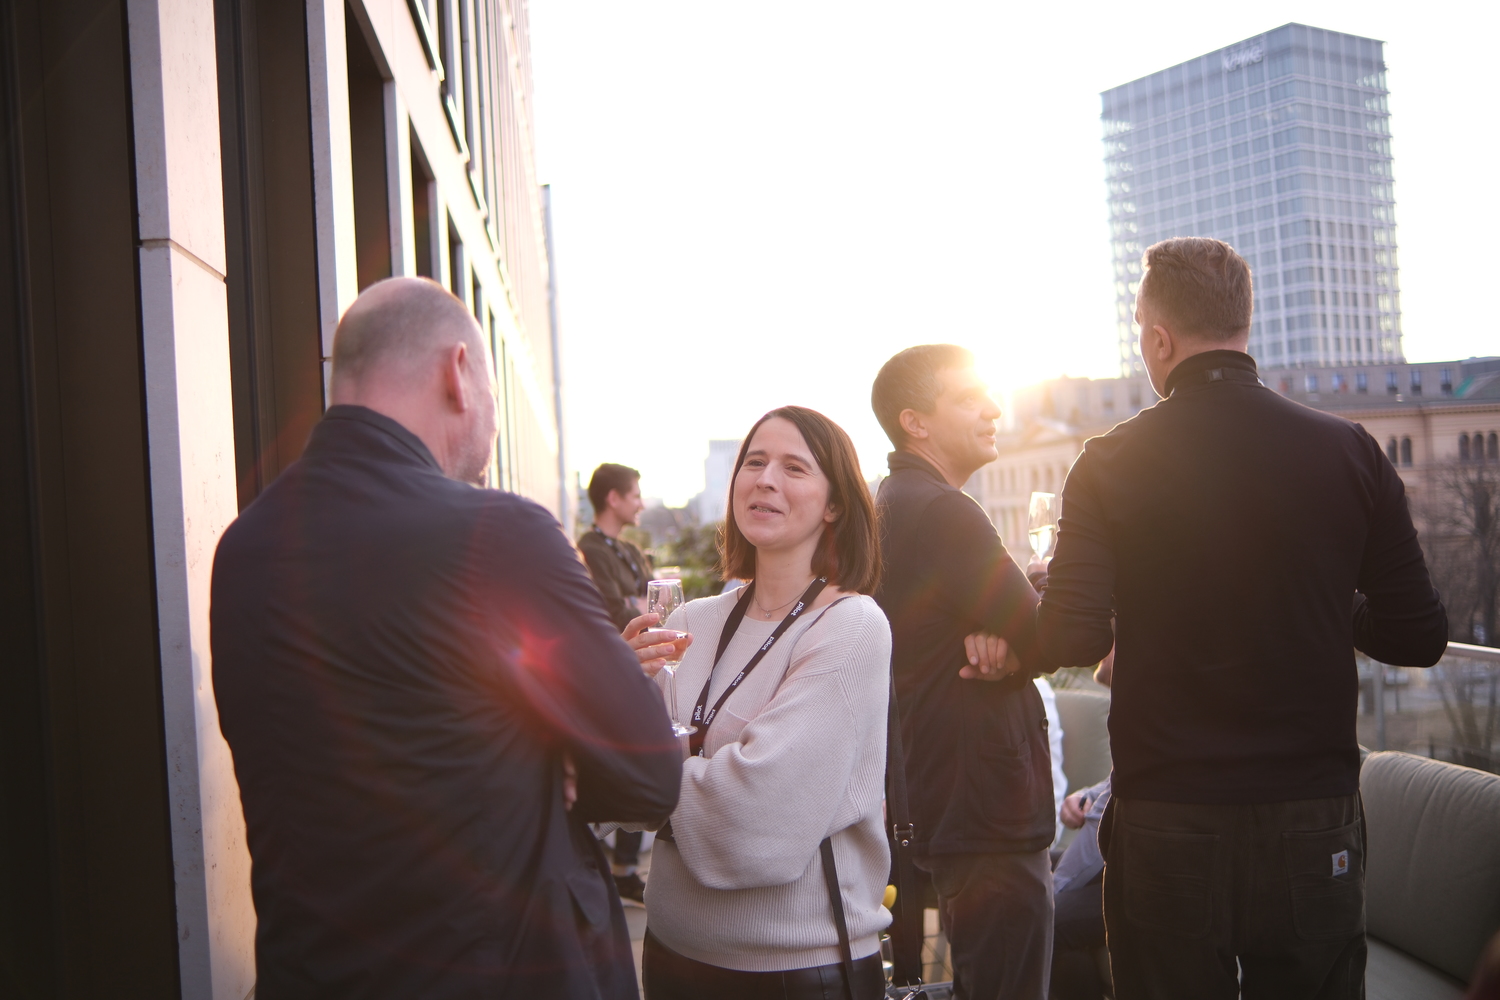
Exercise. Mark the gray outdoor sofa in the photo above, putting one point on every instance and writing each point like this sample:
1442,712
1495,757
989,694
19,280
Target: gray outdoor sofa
1432,874
1432,871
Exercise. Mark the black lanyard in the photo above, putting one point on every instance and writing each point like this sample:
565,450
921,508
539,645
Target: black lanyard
695,741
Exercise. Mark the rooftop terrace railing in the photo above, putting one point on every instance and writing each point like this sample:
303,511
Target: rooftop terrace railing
1450,711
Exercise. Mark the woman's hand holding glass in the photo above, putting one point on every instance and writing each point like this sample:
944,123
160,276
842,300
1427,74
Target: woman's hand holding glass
641,637
664,598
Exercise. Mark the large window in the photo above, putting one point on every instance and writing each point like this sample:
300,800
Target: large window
367,156
423,203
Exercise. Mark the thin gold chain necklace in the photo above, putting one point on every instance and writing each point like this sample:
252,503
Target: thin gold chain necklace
770,612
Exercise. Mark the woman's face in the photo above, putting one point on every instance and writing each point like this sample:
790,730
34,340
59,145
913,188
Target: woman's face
780,494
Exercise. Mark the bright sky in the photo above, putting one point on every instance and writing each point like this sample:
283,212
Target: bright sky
757,204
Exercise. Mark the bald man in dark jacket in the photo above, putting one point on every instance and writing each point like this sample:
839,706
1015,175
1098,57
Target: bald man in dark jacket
405,668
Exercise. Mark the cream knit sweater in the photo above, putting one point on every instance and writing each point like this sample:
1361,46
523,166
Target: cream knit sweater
795,755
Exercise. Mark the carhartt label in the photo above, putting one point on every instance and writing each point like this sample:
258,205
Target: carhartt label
1341,863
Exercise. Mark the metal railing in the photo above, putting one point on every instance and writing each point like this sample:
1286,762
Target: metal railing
1466,682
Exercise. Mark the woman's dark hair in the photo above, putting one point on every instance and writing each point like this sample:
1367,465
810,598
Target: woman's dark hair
849,551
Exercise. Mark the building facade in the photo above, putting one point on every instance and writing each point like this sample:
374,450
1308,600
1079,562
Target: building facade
1426,416
193,193
1279,145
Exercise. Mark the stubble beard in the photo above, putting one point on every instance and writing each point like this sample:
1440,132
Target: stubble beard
474,460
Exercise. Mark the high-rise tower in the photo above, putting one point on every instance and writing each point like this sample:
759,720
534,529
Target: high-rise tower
1280,146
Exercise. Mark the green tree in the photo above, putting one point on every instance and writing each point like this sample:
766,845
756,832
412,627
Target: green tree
695,549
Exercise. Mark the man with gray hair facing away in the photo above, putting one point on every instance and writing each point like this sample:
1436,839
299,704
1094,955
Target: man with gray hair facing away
1244,546
425,699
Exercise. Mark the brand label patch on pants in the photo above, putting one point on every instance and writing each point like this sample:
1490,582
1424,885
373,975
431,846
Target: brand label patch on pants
1341,863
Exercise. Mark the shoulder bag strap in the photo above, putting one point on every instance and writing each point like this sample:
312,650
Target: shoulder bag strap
836,897
906,925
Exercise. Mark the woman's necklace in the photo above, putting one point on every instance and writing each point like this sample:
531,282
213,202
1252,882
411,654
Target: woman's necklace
771,612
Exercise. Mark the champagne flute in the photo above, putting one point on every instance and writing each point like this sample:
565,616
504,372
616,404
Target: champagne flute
662,598
1043,525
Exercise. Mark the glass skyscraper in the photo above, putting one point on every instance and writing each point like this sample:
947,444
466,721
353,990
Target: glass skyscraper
1280,146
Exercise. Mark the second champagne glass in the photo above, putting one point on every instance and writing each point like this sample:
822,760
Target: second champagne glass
662,598
1042,528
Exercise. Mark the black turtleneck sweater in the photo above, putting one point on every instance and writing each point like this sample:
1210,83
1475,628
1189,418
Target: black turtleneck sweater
1229,532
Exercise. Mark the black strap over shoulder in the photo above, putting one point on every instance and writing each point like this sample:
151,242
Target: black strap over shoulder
836,897
906,926
703,716
906,931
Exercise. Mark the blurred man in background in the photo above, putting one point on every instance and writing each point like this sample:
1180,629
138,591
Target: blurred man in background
619,568
620,571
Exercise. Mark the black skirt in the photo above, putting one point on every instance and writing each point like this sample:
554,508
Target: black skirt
670,976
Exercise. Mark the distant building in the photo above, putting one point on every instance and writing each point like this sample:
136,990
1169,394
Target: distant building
1279,145
718,469
1424,415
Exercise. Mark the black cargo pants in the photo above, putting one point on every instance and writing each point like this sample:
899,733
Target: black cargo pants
997,910
1221,901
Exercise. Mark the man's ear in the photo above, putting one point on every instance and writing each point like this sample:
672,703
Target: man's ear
1164,342
912,423
455,385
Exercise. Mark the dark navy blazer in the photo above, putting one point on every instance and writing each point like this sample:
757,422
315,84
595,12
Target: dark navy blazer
401,662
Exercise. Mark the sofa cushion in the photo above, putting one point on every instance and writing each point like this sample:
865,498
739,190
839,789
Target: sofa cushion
1085,724
1395,975
1432,872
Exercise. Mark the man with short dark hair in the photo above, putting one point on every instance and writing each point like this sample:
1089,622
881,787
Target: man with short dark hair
619,568
621,571
424,699
1244,546
977,755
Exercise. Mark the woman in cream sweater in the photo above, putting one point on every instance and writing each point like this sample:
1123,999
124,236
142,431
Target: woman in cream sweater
786,754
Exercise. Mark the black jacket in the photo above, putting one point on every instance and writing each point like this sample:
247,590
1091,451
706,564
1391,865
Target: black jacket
400,663
1228,531
620,571
978,763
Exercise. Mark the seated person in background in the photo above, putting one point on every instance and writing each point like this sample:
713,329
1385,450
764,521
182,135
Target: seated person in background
787,684
1078,888
1055,744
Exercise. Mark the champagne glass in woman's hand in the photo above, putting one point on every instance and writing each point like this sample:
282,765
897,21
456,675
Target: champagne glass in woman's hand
651,649
662,598
1043,525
